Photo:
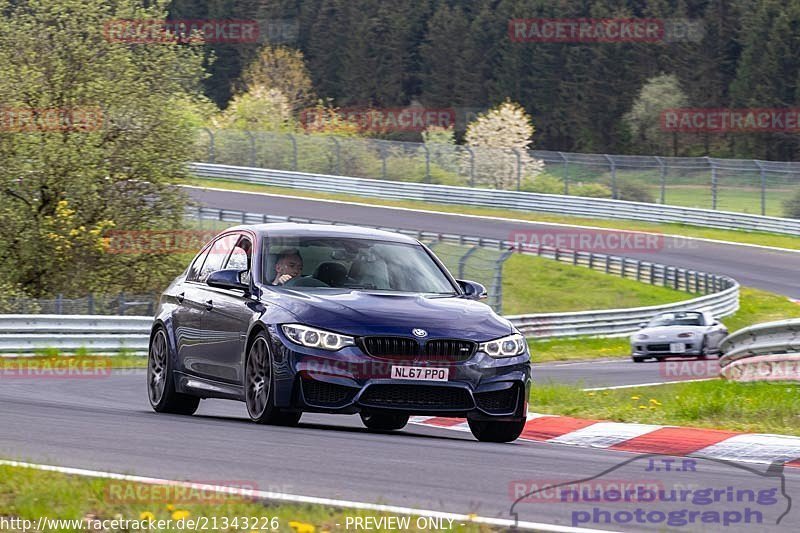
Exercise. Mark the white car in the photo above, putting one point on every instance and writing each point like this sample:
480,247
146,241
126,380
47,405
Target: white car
678,334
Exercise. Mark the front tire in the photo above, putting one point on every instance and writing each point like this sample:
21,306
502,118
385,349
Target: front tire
384,421
161,380
490,431
259,384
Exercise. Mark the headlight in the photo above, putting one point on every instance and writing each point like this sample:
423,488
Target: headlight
316,338
504,347
642,336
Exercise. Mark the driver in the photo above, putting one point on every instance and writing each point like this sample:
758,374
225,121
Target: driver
289,265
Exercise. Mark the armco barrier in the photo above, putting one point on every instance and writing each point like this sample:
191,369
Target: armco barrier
515,200
763,352
25,334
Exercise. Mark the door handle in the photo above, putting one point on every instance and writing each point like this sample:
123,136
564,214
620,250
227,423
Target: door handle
209,305
180,297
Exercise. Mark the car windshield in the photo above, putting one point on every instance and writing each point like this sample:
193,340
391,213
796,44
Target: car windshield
319,263
677,319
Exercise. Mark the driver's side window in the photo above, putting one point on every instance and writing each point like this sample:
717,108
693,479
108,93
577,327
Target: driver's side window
216,256
240,258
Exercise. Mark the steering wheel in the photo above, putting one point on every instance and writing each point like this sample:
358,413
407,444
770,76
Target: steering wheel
305,281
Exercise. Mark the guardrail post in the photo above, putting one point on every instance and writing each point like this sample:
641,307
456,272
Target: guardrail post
608,264
294,151
676,281
763,187
566,172
211,150
613,168
622,267
638,270
652,274
591,260
663,178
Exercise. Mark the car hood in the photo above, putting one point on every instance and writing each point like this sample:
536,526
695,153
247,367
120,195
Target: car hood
368,313
669,332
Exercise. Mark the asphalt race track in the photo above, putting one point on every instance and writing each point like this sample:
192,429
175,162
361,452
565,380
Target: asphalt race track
106,424
771,270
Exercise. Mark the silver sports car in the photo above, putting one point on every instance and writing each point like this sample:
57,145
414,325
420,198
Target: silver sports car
678,334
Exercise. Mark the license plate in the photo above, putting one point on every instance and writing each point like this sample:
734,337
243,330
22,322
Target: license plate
420,373
677,347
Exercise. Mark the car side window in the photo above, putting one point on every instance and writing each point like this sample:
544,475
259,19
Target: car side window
217,254
194,270
240,255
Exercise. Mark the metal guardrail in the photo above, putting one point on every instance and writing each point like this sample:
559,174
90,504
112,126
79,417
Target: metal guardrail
763,352
20,334
502,199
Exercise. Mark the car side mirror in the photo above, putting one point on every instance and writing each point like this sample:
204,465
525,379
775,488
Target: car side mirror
228,279
642,325
472,289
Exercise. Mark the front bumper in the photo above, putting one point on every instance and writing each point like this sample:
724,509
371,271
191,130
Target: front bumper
692,348
349,381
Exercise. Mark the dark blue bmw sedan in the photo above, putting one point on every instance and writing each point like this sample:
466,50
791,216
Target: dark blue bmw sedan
292,318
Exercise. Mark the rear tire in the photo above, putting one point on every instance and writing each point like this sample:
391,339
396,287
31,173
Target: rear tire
384,421
638,359
161,381
259,385
489,431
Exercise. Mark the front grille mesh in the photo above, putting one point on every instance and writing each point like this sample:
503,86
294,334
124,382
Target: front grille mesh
502,401
321,393
417,397
449,350
391,347
409,349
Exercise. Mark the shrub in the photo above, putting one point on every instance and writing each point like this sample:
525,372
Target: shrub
543,183
632,191
591,190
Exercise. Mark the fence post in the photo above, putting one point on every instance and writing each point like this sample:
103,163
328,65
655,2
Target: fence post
663,179
613,169
519,168
294,151
211,150
337,168
566,172
713,183
471,166
462,261
427,164
382,152
121,307
59,303
763,187
90,303
498,280
252,140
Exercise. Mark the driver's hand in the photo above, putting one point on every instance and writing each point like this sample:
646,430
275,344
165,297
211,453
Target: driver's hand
283,279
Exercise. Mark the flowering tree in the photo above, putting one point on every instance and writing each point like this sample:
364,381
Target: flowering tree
500,139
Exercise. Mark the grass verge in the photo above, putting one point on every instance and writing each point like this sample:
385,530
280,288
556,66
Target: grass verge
755,306
30,494
764,239
718,404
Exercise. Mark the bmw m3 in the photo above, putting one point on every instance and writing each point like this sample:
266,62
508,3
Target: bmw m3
293,318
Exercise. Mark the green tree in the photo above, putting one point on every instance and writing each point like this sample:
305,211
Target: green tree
106,132
644,118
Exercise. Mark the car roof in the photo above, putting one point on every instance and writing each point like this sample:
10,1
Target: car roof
292,229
